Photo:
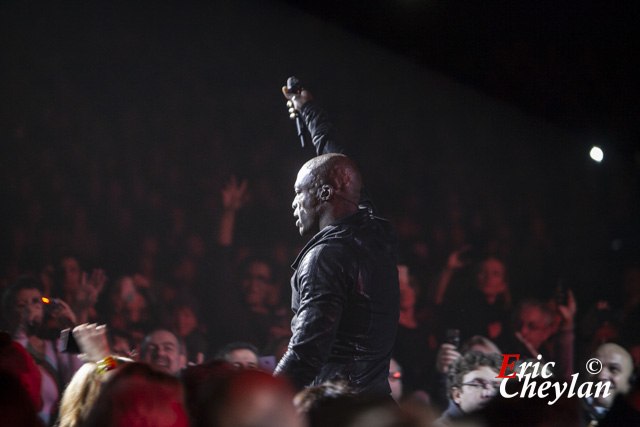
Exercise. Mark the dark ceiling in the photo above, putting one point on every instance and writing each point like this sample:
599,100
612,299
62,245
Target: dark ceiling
571,62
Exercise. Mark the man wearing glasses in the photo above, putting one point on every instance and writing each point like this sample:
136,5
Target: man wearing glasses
472,383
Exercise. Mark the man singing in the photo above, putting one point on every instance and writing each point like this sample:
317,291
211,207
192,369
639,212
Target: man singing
345,286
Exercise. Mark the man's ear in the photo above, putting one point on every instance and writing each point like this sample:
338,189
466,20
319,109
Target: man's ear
455,395
325,192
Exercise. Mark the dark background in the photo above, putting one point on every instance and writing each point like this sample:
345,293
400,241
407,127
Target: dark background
121,114
571,62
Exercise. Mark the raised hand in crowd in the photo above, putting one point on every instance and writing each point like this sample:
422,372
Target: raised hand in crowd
446,355
92,342
87,294
567,313
234,197
455,262
457,259
63,315
234,194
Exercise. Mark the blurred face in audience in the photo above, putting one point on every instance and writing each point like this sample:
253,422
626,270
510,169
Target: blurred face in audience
127,291
617,367
185,320
71,273
27,309
256,282
122,292
243,358
478,388
534,325
162,351
490,278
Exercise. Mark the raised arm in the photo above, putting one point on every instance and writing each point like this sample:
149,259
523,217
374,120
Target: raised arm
323,134
234,197
316,119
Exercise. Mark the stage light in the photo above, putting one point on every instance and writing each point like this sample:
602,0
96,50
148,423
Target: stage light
596,154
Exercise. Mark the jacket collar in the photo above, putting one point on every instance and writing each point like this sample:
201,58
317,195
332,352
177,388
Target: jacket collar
333,230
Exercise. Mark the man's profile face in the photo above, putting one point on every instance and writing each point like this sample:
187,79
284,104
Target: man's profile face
162,351
305,203
27,308
617,367
478,388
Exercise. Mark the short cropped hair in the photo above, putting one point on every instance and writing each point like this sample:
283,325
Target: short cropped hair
224,352
481,341
182,348
470,361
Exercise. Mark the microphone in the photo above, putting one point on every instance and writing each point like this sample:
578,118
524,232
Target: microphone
294,86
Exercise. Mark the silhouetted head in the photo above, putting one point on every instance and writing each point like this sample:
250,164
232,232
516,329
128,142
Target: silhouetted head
327,188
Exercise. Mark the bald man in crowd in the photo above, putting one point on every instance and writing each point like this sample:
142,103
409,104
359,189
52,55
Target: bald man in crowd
617,369
345,293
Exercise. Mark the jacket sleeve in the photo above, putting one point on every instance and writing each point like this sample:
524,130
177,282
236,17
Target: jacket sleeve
323,136
322,284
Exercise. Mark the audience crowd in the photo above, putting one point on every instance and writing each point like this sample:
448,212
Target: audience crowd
187,265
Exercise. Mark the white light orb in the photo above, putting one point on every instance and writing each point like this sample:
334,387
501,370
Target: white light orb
596,154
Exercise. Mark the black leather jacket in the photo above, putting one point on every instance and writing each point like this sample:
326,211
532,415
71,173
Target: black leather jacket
345,294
